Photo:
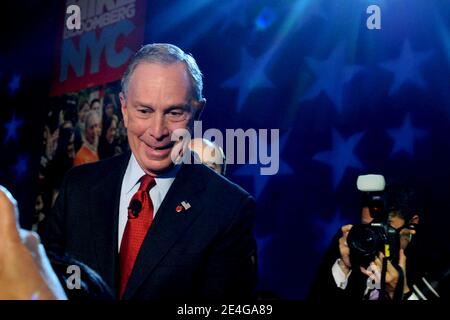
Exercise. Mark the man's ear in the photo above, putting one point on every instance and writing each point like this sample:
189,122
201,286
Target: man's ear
123,107
198,108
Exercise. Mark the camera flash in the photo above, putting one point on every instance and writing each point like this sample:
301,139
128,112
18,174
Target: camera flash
371,183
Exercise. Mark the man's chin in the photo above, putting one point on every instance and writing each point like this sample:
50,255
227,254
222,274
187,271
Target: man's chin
157,167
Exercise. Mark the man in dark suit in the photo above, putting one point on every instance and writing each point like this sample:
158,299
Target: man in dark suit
151,228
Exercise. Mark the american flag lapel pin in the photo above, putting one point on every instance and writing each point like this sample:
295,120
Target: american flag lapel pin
183,206
186,205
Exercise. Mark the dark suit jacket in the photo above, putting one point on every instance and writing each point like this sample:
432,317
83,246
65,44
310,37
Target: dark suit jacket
205,252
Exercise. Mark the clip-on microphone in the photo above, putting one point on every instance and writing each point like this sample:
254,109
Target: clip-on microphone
135,208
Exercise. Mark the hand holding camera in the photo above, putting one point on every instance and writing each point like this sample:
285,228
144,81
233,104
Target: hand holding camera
344,262
392,274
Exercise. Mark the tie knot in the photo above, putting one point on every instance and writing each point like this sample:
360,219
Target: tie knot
146,183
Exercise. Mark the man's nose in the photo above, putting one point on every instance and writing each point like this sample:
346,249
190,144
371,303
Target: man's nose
158,127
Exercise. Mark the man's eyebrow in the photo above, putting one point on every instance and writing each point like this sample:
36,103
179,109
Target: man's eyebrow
178,106
142,104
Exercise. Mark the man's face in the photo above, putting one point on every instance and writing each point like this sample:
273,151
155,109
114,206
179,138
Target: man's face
96,106
366,218
157,103
93,129
396,221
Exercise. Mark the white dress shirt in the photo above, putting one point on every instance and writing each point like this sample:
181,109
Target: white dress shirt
130,185
342,281
339,276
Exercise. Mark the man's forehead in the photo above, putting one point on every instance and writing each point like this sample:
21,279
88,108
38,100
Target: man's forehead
92,118
170,81
172,72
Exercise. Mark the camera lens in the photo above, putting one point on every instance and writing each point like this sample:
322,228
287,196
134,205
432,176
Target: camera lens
363,241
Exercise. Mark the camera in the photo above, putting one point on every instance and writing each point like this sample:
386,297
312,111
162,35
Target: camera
367,240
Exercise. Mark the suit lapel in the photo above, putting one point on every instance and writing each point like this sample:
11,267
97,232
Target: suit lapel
168,225
104,198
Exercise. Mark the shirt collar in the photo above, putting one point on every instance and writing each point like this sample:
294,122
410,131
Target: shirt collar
134,172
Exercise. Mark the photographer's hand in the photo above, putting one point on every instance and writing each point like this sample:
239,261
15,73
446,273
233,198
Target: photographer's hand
406,236
392,274
25,272
344,262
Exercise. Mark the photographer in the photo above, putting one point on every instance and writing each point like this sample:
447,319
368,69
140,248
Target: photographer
342,268
349,274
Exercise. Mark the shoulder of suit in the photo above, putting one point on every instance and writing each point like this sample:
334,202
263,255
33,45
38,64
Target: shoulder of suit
218,182
93,171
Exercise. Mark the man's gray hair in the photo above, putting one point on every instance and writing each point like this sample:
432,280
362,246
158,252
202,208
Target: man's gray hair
165,53
91,114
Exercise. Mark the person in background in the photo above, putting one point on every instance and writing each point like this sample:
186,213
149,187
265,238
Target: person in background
96,106
209,154
83,109
108,111
62,161
107,145
89,150
90,285
338,279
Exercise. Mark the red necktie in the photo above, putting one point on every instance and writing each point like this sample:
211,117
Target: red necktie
140,217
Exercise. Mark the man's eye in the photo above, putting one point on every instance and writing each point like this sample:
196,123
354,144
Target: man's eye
144,111
177,115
